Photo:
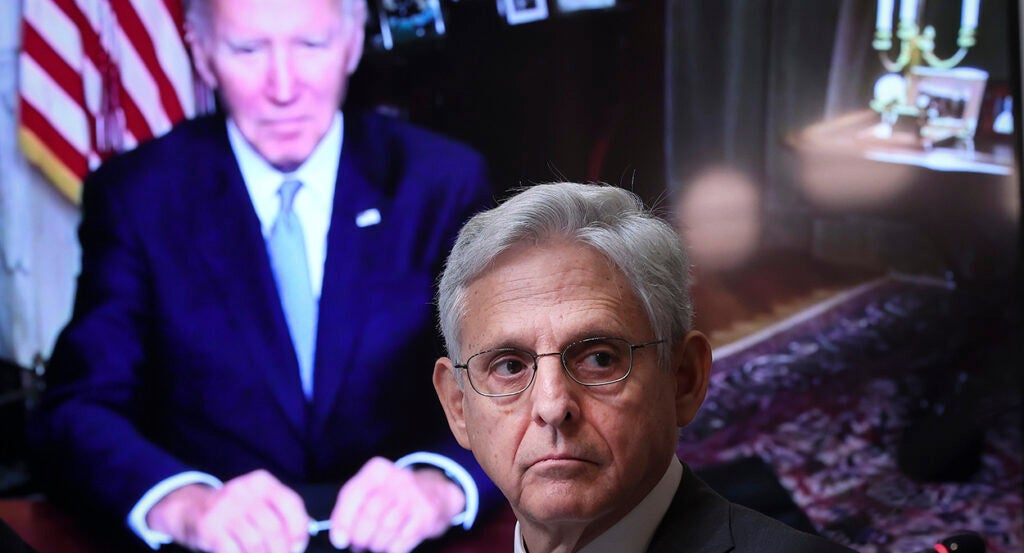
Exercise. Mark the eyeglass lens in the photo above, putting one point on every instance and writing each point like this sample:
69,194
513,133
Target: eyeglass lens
592,362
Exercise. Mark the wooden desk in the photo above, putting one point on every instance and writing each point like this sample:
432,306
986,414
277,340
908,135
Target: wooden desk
856,135
967,202
46,528
49,530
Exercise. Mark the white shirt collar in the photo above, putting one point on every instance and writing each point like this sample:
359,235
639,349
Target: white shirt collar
314,201
318,173
633,533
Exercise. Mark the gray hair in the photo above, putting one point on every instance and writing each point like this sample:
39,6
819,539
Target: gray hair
199,15
611,220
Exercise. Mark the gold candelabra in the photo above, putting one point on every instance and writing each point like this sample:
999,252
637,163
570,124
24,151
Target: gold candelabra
917,44
940,98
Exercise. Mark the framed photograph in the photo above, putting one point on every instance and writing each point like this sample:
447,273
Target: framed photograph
403,21
525,11
579,5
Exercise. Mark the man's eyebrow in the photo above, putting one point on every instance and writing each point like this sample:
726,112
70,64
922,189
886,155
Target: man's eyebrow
318,36
501,344
236,41
596,332
578,336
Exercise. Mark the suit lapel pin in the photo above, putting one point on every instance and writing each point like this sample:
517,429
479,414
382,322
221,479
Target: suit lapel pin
368,218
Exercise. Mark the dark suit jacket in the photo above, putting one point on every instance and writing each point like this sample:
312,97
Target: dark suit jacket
178,356
701,521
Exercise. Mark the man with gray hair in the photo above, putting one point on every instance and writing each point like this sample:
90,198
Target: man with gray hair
572,365
254,299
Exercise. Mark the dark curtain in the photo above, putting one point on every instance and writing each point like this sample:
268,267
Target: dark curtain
742,75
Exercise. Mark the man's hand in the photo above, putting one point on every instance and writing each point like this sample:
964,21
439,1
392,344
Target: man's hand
384,508
251,513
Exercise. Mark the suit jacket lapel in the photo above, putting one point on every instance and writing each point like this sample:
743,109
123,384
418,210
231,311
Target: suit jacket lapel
227,236
343,305
697,521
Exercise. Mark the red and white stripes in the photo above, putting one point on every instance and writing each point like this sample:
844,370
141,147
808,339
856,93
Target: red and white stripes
96,78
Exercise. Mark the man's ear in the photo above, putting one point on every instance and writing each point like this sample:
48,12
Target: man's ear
692,366
201,55
451,396
354,49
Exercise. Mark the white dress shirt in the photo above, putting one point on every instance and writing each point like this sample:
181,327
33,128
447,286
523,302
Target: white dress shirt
314,200
633,533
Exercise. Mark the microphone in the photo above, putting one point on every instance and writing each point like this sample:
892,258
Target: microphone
964,542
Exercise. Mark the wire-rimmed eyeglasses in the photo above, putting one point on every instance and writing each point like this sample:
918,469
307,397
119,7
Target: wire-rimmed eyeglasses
599,361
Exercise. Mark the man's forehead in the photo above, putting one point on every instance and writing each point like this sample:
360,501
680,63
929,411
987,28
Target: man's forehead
215,5
542,269
275,16
530,284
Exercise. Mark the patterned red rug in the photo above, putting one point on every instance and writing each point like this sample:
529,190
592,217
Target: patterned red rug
891,414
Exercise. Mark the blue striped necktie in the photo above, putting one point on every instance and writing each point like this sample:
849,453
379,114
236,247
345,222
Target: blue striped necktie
287,249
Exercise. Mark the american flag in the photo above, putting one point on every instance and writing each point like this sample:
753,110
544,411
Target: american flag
97,77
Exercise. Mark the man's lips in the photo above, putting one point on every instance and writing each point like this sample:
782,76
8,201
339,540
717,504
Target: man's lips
559,461
282,119
283,123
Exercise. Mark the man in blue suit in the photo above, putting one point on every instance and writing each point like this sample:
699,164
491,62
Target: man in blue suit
254,309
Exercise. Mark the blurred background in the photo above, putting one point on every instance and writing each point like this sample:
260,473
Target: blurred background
846,174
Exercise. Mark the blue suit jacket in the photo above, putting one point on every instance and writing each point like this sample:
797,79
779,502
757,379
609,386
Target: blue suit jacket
178,356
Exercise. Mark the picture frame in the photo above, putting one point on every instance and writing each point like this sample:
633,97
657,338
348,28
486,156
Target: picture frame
525,11
405,21
567,6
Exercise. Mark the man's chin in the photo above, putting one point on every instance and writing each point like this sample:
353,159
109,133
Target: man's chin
285,162
286,166
566,512
562,503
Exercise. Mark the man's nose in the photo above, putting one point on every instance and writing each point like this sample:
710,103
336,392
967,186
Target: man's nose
554,394
282,80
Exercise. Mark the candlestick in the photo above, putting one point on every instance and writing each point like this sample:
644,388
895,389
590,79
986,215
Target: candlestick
918,63
969,14
908,10
884,18
917,42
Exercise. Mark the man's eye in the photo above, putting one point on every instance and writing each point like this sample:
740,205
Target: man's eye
314,43
244,48
597,362
507,366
